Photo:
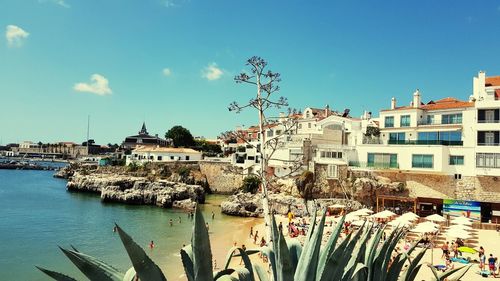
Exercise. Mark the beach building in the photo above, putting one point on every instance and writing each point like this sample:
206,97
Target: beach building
143,138
144,154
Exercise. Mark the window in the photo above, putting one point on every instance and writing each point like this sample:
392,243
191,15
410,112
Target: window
151,157
451,118
458,176
309,125
300,125
422,161
389,122
332,172
440,137
430,119
330,154
382,160
456,159
187,157
397,138
488,160
269,133
489,116
405,120
278,132
489,138
171,157
159,158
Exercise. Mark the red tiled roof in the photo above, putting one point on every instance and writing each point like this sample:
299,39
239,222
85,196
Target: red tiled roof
446,103
497,94
492,81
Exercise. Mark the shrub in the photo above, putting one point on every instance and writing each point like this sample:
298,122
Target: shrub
251,184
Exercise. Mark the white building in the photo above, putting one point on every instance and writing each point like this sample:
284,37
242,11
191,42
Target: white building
447,136
144,154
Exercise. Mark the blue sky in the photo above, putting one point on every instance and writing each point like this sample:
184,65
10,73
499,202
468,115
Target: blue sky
348,54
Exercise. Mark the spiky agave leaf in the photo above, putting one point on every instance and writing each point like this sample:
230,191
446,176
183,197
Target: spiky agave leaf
202,254
244,257
219,274
460,272
130,275
308,262
55,275
187,262
443,276
330,247
295,249
146,269
269,253
412,270
261,272
244,274
93,268
284,263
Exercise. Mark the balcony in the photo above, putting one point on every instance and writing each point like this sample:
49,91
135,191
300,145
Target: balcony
426,142
376,165
488,121
488,144
435,122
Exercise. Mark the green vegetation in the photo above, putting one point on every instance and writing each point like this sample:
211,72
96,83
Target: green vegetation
372,131
180,136
251,184
360,256
208,148
133,167
184,172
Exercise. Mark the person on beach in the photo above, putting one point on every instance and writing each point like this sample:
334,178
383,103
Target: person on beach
206,224
251,231
151,244
171,222
454,246
255,237
280,227
491,264
262,242
180,221
213,215
244,248
482,262
290,217
445,250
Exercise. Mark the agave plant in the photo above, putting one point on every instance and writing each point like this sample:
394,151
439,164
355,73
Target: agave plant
360,256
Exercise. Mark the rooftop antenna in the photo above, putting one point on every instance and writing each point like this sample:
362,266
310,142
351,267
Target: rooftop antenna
88,129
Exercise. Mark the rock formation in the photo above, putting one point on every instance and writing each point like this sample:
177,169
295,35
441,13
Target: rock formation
138,190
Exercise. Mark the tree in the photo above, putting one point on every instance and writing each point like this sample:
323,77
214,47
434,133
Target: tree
266,83
208,148
180,136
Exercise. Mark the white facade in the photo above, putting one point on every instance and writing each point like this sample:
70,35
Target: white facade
144,154
447,136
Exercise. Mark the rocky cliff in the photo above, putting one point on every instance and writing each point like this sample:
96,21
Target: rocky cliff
138,190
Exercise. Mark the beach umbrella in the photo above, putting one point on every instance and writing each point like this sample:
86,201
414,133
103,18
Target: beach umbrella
462,227
458,233
467,250
383,215
397,222
436,218
409,216
358,223
425,227
337,206
362,212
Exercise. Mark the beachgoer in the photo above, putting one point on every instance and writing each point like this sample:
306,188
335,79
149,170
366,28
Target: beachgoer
206,224
290,216
251,231
213,215
171,222
114,228
151,244
280,227
491,264
262,242
255,237
215,264
454,246
482,261
449,264
445,250
244,248
180,221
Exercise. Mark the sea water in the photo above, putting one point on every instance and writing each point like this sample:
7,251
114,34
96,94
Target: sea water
37,215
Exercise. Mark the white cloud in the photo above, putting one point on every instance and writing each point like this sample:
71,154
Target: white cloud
15,35
173,3
212,72
61,3
167,71
98,85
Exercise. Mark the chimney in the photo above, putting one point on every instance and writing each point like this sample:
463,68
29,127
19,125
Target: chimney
393,103
416,99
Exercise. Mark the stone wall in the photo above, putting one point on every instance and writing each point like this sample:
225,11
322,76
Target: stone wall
480,188
325,187
222,177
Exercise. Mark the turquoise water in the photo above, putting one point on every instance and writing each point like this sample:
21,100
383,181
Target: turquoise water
38,214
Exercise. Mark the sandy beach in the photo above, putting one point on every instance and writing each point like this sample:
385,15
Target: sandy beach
489,239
